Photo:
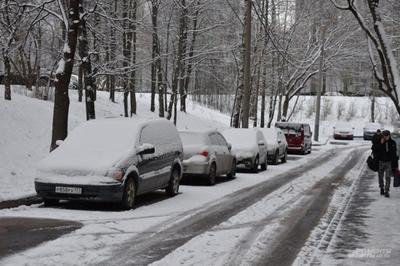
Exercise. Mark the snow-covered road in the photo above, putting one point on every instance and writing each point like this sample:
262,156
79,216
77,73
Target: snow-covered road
235,222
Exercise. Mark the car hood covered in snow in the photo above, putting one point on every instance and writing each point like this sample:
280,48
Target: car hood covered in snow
93,148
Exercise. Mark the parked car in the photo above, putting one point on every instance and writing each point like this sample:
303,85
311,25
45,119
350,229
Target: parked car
343,130
249,147
207,154
276,144
370,129
113,159
298,136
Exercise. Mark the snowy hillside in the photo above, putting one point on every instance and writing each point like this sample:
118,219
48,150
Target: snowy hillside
25,126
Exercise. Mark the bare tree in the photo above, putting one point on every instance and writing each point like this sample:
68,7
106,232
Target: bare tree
64,71
383,60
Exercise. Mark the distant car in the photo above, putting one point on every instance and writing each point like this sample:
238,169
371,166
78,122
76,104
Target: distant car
73,82
249,147
207,154
113,160
276,144
370,130
298,136
343,130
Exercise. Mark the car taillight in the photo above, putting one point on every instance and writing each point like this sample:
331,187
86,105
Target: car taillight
204,153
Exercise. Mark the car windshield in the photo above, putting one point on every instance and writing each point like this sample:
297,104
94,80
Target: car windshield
343,127
271,135
372,126
289,128
241,137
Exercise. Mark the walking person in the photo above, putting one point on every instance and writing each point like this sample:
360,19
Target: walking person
377,137
385,151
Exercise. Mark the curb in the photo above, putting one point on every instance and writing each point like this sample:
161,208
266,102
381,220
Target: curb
7,204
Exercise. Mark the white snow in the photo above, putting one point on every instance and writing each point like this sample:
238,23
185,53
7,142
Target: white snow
93,147
61,66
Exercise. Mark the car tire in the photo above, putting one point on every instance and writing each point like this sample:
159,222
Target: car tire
254,169
232,173
276,158
303,151
173,186
265,164
284,158
129,195
212,175
50,202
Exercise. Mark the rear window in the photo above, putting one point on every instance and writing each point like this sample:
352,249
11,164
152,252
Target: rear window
192,138
289,128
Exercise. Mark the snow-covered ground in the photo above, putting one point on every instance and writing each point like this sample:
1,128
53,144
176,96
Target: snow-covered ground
104,229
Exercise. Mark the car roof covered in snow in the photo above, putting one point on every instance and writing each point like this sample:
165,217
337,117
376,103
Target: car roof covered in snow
96,144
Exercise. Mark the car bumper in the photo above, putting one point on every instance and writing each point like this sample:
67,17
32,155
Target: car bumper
196,168
107,193
295,148
345,137
369,136
245,163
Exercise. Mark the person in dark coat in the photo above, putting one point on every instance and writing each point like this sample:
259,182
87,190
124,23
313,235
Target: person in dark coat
385,151
375,140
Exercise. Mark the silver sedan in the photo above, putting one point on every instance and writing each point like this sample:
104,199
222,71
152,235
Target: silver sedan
207,154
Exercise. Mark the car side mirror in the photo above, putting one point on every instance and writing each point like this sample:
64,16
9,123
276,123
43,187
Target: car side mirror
146,148
279,141
59,142
229,146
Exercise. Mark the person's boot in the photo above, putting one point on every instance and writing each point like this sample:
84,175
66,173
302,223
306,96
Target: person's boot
382,191
387,195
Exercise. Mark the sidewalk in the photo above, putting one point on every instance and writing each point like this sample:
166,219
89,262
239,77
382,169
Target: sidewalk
369,234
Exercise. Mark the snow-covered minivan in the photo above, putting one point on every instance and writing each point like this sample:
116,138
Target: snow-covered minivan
113,160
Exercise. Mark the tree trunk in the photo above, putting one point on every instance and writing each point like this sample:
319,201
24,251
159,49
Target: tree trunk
86,65
154,16
285,107
246,62
63,76
7,73
80,82
132,77
181,54
190,60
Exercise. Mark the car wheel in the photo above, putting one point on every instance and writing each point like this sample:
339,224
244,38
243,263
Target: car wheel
232,173
212,175
265,164
255,165
173,185
50,202
276,158
129,196
284,158
303,151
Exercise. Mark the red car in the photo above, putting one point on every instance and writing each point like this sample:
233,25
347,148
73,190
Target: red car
298,136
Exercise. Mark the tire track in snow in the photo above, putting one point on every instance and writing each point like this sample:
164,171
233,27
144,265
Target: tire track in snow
303,219
146,247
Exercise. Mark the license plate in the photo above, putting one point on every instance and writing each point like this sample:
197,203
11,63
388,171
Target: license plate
69,190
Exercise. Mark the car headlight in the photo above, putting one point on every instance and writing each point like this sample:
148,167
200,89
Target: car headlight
116,173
